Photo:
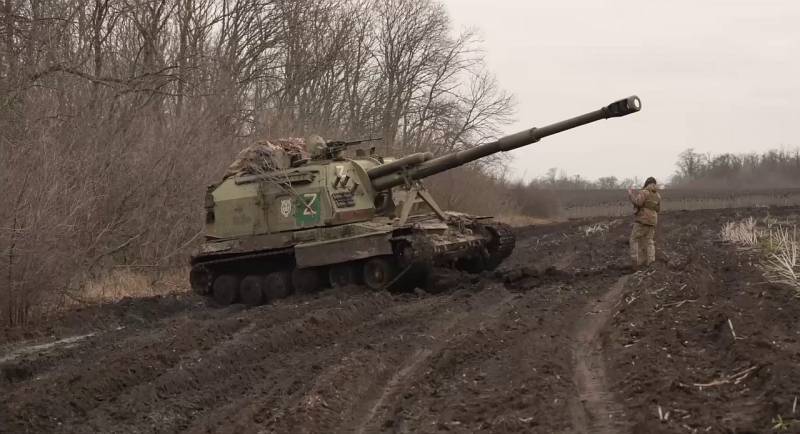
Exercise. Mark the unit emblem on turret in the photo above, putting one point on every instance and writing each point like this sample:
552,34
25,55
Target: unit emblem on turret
286,207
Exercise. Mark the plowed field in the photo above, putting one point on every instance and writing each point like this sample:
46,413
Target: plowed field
561,339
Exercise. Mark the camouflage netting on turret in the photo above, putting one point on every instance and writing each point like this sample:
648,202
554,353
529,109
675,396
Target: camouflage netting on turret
268,155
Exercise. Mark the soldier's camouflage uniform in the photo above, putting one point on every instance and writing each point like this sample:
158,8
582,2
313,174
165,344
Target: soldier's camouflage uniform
268,155
647,202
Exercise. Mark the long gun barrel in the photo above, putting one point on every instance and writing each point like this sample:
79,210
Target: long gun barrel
408,160
448,161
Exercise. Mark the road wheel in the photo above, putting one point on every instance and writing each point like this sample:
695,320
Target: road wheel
378,273
277,285
306,280
341,275
226,289
251,290
473,264
200,279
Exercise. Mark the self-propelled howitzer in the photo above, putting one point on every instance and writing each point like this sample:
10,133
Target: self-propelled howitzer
333,220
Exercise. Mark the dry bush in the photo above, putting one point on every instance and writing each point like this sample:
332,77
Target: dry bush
534,201
777,243
744,233
476,190
85,202
122,283
470,189
781,265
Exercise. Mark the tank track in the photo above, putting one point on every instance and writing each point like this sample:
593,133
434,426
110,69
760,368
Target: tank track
411,265
205,270
501,243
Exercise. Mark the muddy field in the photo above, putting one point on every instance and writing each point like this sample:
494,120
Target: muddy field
562,339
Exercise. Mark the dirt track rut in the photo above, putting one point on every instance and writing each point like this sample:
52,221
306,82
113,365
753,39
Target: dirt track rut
382,407
595,410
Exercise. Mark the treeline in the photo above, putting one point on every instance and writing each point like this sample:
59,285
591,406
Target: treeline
771,169
556,179
115,114
724,179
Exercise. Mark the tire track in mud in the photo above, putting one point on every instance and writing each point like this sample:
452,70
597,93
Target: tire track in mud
143,377
385,411
416,359
595,410
311,385
268,363
367,375
97,374
386,400
507,370
209,368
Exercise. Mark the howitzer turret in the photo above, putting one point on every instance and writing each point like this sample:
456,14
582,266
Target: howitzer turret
331,220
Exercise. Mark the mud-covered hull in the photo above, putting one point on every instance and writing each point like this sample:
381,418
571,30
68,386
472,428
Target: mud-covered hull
378,254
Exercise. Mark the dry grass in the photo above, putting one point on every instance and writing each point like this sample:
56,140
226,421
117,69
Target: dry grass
744,233
597,228
517,220
112,286
124,283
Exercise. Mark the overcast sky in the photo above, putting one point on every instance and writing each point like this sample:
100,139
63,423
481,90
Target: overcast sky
718,76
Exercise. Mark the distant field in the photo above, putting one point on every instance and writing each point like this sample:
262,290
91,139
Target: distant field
595,203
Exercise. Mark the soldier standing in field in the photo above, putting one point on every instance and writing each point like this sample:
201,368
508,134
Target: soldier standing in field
647,203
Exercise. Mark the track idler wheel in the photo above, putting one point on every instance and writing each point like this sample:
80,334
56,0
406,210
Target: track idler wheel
378,273
277,285
501,243
226,289
341,275
252,289
306,280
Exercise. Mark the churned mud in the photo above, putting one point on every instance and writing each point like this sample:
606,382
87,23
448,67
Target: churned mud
563,338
